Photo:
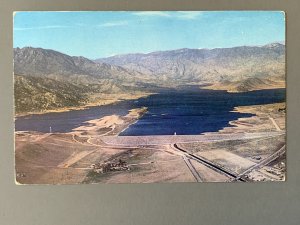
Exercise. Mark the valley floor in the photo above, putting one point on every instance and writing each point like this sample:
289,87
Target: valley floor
250,149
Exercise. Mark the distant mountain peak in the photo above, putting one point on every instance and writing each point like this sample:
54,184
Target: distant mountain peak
273,45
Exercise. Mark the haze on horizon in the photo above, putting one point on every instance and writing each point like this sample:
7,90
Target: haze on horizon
103,34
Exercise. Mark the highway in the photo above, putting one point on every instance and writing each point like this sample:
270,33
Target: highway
275,124
222,170
137,141
211,165
264,162
192,169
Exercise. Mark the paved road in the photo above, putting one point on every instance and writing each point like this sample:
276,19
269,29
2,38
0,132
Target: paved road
264,162
192,169
212,165
275,124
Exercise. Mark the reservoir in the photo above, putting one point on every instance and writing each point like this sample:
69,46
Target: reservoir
185,111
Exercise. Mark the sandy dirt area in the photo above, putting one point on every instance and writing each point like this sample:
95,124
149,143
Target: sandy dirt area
227,159
94,153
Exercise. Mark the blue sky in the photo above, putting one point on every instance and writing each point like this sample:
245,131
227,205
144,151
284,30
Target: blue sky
103,34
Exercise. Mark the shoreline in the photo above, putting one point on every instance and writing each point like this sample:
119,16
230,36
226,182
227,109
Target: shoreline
88,105
124,97
233,89
258,111
233,125
252,109
136,113
109,125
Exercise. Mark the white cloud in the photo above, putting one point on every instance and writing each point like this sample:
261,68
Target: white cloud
184,15
113,24
152,13
188,15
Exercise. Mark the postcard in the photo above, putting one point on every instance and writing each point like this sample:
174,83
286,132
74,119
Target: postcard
149,96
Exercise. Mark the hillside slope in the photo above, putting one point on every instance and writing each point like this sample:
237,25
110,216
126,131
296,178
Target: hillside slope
210,66
47,79
37,94
52,64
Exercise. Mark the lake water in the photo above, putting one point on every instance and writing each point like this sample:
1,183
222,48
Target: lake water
186,111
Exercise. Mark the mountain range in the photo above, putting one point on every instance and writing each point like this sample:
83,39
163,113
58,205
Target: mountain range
47,79
211,66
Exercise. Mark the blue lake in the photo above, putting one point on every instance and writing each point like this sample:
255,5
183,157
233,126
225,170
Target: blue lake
188,110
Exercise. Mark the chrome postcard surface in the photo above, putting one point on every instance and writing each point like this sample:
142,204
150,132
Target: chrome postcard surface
149,96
